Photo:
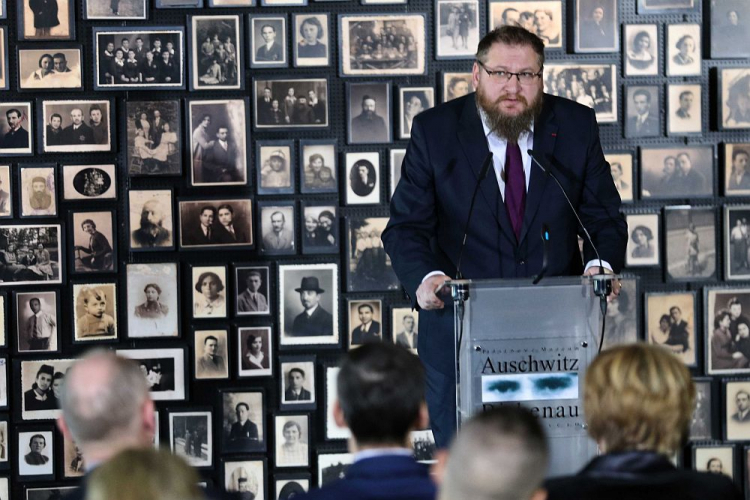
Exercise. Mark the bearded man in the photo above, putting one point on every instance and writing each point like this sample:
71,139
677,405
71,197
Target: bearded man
508,115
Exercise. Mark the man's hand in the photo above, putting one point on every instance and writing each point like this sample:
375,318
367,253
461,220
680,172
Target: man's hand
426,296
616,285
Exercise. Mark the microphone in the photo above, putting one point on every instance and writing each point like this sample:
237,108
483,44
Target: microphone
482,174
545,254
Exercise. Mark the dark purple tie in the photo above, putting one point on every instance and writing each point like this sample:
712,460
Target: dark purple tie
515,187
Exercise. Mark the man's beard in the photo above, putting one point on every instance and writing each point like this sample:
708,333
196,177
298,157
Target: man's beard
504,125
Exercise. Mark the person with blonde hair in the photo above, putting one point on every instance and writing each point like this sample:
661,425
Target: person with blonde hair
638,402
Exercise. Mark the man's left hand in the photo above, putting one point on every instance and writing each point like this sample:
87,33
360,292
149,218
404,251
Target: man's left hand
616,284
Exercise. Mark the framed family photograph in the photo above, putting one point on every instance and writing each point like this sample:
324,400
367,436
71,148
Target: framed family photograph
6,192
412,101
37,316
736,409
644,247
544,18
252,290
640,50
16,129
405,328
726,322
217,52
56,67
363,178
365,322
318,166
596,26
309,308
149,57
255,351
690,241
291,103
297,382
36,453
46,20
209,291
455,85
243,421
368,266
216,223
115,10
154,137
153,300
191,436
684,50
456,29
81,126
369,113
211,350
332,430
684,110
41,383
274,160
622,166
730,37
89,182
677,172
395,162
277,228
32,254
246,477
164,370
643,108
382,44
701,422
736,174
320,228
311,39
292,440
151,222
268,41
734,108
37,184
668,6
594,84
671,323
95,312
715,458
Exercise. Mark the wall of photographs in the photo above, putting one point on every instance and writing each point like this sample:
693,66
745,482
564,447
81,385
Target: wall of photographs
181,179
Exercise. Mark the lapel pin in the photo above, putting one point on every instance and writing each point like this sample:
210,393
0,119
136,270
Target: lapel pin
554,134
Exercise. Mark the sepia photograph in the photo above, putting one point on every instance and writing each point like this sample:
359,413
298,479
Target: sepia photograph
252,290
243,421
455,85
209,291
318,166
730,36
268,41
736,410
727,346
94,312
297,382
274,160
396,159
320,231
6,192
31,254
369,113
365,322
277,228
218,141
211,351
217,54
291,103
541,17
94,244
456,29
412,101
153,297
596,26
690,240
292,440
677,172
37,184
643,247
115,10
255,351
382,44
405,328
311,40
217,223
734,104
46,20
671,323
151,220
4,77
36,319
88,182
290,485
642,109
593,85
309,309
668,6
332,430
154,135
369,267
246,478
4,448
684,115
622,167
623,316
81,126
16,129
736,242
736,175
231,3
164,370
684,50
41,383
73,462
191,437
715,459
36,457
150,57
640,50
55,67
363,179
701,422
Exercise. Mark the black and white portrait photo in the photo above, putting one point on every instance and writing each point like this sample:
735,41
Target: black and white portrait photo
412,101
714,459
231,3
643,243
730,37
147,58
365,322
737,410
642,108
209,291
211,354
218,142
363,178
36,320
217,53
640,50
736,242
318,166
41,383
73,462
30,254
727,341
621,166
155,137
291,486
163,369
297,382
54,67
93,242
151,219
369,113
311,39
623,316
382,44
274,161
243,422
291,104
6,190
36,453
543,18
38,189
46,20
456,85
684,50
152,300
252,290
396,158
405,327
684,113
95,312
690,239
682,172
216,223
734,98
246,478
89,182
191,437
268,41
736,169
596,26
333,431
277,228
16,129
115,10
701,420
592,85
76,126
671,323
320,228
309,304
4,80
255,351
292,440
456,29
369,267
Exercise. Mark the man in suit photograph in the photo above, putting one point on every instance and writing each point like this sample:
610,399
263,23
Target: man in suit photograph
738,178
53,137
151,232
263,107
270,50
220,160
211,364
314,320
368,329
16,137
279,237
645,123
368,126
226,231
98,126
408,337
429,210
242,432
742,400
40,396
295,390
686,102
77,132
251,299
202,233
41,326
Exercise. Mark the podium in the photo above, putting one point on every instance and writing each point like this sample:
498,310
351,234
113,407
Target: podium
529,345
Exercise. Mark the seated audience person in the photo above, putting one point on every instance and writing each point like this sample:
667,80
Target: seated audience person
638,401
380,399
499,454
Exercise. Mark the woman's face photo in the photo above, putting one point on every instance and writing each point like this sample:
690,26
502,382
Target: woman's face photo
316,163
225,217
311,224
640,237
291,434
256,345
210,287
152,295
310,32
57,387
687,46
642,42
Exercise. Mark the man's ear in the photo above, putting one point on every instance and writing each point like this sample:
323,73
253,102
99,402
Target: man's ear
148,419
338,415
539,494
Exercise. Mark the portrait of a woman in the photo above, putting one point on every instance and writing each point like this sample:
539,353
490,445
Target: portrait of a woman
209,301
311,43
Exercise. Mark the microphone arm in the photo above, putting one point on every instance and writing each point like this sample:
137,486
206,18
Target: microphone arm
545,254
482,174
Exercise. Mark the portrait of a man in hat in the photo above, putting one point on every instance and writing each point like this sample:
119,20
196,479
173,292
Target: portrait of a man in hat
314,320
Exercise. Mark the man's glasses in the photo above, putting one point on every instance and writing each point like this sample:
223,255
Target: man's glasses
503,77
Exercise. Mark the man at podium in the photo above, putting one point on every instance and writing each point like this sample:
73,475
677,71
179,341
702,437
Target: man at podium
509,115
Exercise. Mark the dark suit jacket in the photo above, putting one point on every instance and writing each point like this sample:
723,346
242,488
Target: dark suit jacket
649,128
736,417
641,475
193,235
219,164
372,335
275,53
431,203
304,395
389,477
16,140
319,323
83,135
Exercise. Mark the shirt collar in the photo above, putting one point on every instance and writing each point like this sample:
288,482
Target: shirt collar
380,452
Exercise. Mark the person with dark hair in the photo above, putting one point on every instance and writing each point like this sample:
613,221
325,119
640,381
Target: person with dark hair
317,174
368,329
380,390
251,299
203,233
640,56
40,327
686,46
254,359
244,430
16,137
644,123
735,311
99,251
326,233
263,107
295,390
210,364
53,135
678,330
368,126
314,320
660,336
739,178
279,237
642,237
318,106
37,444
686,102
40,396
458,86
724,356
742,400
45,17
226,230
596,32
415,104
270,51
311,36
169,70
689,180
362,178
220,160
211,301
290,490
152,308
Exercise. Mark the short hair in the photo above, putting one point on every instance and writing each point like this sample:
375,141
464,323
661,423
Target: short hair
739,151
59,55
548,12
673,308
207,275
210,337
41,58
99,410
504,15
381,390
314,21
513,36
733,301
35,299
724,313
267,26
242,403
38,436
125,40
328,214
203,118
280,213
13,110
500,454
225,205
742,391
154,286
617,165
367,306
366,97
684,93
638,396
640,35
292,423
87,292
682,40
642,92
208,207
645,230
88,221
298,370
58,115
